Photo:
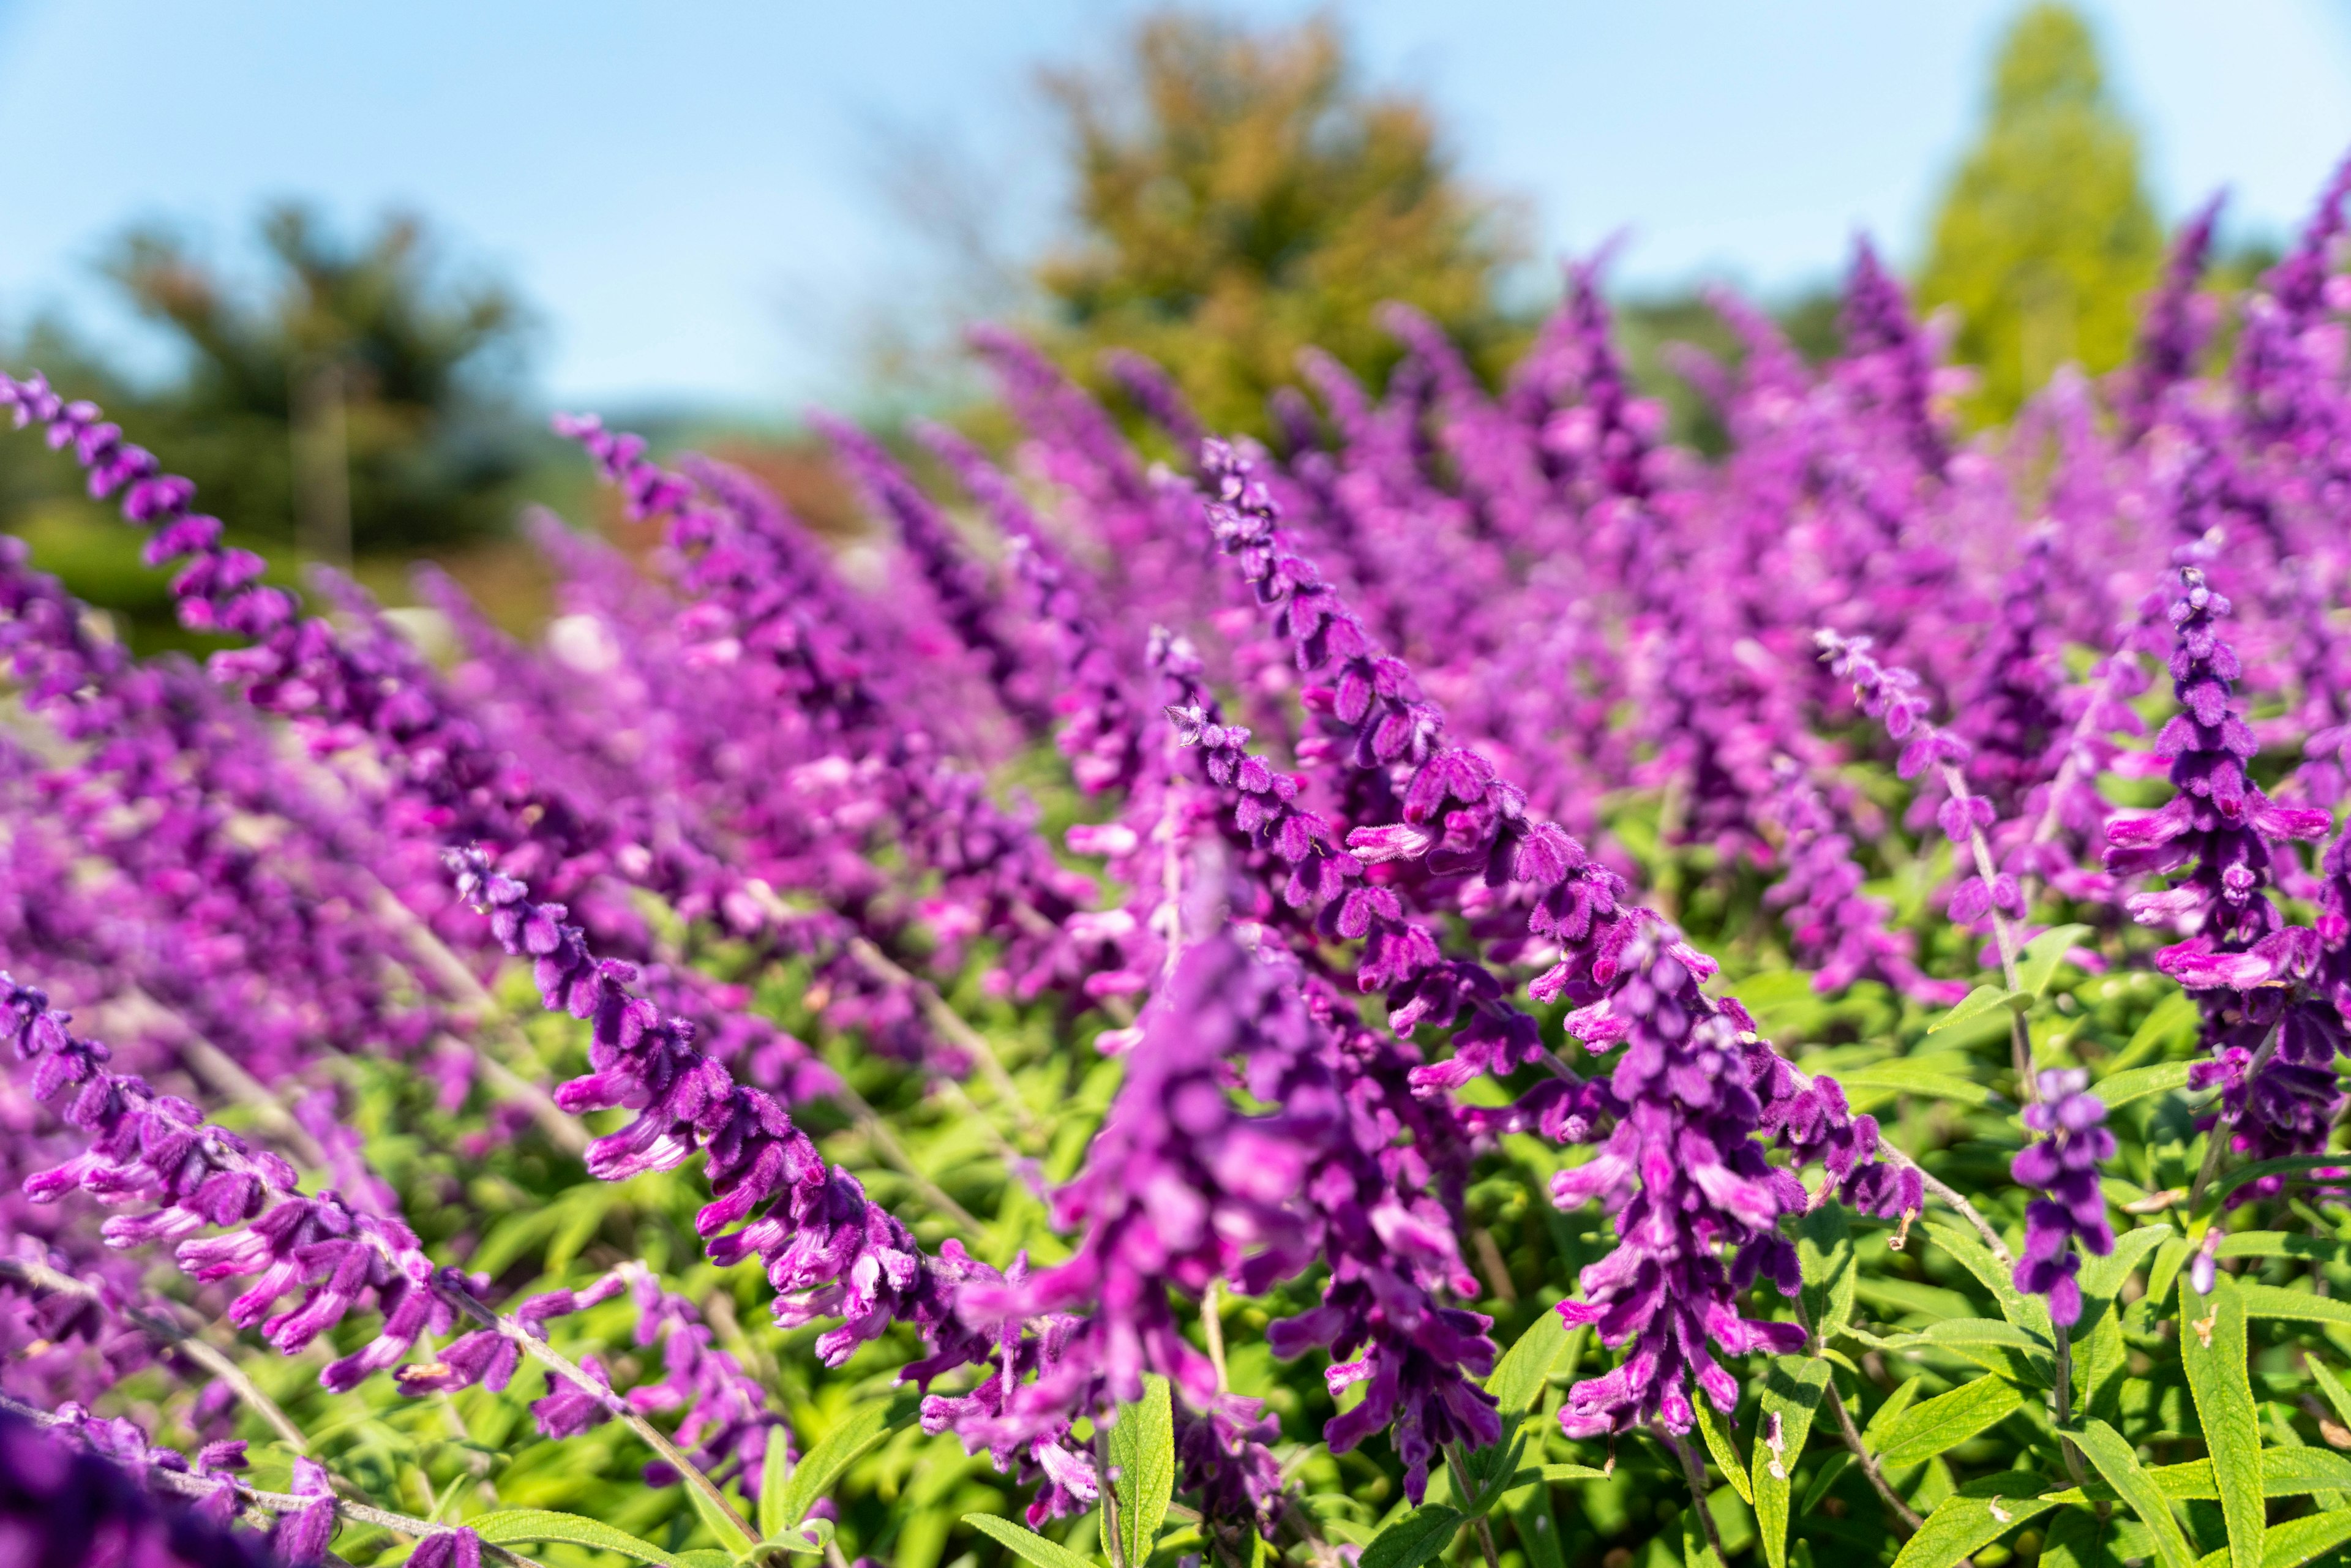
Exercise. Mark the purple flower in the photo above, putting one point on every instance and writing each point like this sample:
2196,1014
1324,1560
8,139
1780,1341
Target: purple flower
1687,1183
2218,834
2063,1165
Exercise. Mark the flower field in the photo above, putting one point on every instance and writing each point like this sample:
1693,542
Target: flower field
1461,983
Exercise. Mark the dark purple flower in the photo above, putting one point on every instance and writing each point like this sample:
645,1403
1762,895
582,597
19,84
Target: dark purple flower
2063,1165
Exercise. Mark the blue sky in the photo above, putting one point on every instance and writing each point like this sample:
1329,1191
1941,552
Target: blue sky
690,193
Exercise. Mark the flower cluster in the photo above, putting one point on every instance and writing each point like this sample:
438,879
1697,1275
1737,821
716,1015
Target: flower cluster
1306,884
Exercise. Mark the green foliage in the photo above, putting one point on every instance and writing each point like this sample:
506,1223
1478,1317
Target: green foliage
2046,238
371,336
1240,197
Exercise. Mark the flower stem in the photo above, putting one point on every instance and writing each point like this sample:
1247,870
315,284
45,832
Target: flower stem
563,1366
1695,1473
1460,1465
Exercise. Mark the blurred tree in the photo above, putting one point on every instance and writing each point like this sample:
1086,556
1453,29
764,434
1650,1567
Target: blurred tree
1241,195
359,401
2046,239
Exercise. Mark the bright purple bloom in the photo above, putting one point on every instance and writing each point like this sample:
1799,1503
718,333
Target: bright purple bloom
2063,1165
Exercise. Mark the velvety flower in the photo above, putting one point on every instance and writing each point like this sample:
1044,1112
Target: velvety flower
65,1504
1694,1204
2063,1163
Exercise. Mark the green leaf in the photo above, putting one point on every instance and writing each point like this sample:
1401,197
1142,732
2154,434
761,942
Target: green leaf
2078,1539
2285,1472
2212,1348
2173,1021
843,1447
1823,1480
2102,1278
2139,1082
1724,1448
1143,1454
1975,1005
2302,1167
2332,1387
1792,1386
2104,1447
2298,1541
1971,1519
1872,1436
1697,1551
1520,1376
775,1479
1027,1542
1531,1516
508,1525
807,1539
2037,964
1945,1422
1824,1254
2277,1301
1417,1538
1887,1078
2030,1313
1573,1473
2282,1244
730,1534
706,1557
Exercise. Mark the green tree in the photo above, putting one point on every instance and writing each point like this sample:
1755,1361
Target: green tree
358,399
1241,195
2046,239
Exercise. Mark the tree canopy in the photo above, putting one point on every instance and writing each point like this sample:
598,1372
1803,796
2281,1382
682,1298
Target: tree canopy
1240,195
2046,238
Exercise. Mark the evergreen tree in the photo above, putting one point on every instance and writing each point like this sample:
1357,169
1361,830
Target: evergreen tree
2046,238
1239,195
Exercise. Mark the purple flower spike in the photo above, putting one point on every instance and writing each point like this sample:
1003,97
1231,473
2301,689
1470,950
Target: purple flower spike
2063,1163
1687,1183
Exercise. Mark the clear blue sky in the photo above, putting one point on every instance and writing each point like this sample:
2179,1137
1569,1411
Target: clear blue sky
689,191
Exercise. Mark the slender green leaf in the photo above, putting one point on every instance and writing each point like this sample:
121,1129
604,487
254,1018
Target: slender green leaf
2173,1021
730,1534
1971,1519
2301,1168
2105,1448
1724,1448
1142,1453
1888,1078
1027,1543
1573,1473
2298,1541
2027,1313
1792,1386
2277,1301
843,1447
775,1480
2036,966
1697,1551
1417,1538
1518,1376
2283,1244
1975,1005
1824,1254
2285,1472
2102,1278
2139,1082
2332,1387
508,1525
1872,1436
1823,1480
705,1557
1945,1422
2212,1348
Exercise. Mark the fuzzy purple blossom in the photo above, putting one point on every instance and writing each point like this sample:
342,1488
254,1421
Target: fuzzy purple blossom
2063,1165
